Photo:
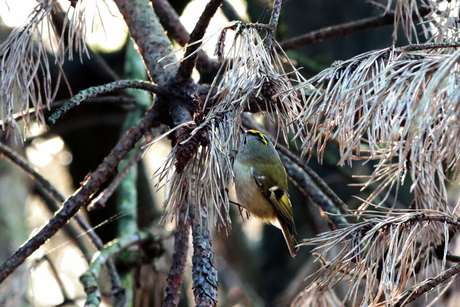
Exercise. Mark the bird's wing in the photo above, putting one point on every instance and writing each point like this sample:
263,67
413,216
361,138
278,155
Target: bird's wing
278,197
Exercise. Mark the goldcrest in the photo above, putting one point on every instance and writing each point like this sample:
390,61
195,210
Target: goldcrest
261,184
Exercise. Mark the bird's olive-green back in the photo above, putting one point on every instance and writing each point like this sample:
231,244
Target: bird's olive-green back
259,151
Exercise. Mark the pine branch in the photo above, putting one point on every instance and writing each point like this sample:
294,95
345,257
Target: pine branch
427,285
101,199
170,20
187,65
149,36
123,101
82,196
204,275
273,23
51,190
102,89
345,29
397,240
89,278
176,273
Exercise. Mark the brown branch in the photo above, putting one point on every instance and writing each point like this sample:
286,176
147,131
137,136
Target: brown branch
187,65
148,34
16,159
94,91
453,258
427,46
204,274
176,273
82,196
89,278
346,29
123,101
427,285
170,20
58,279
273,23
101,199
51,190
442,219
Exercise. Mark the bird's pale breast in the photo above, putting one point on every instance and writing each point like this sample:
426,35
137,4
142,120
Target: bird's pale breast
250,197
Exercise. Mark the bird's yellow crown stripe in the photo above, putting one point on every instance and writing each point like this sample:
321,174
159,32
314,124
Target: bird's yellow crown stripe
260,135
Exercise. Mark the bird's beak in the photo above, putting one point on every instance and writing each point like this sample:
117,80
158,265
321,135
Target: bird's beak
242,130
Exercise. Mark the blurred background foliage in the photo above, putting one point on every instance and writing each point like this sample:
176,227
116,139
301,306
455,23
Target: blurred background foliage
254,266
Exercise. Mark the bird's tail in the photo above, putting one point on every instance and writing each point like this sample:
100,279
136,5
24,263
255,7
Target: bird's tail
290,240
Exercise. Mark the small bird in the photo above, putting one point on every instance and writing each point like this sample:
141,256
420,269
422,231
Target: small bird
261,184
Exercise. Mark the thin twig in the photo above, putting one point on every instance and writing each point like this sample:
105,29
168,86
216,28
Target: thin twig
16,159
308,187
70,229
273,24
338,203
187,65
101,199
51,190
102,89
345,29
122,101
179,259
76,201
427,285
433,218
19,161
170,20
55,272
89,278
427,46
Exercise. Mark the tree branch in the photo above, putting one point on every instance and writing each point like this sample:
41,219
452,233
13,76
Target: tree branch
427,285
204,274
51,190
170,20
55,273
7,153
427,46
81,197
176,273
101,199
148,34
187,65
273,23
123,101
345,29
102,89
89,278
